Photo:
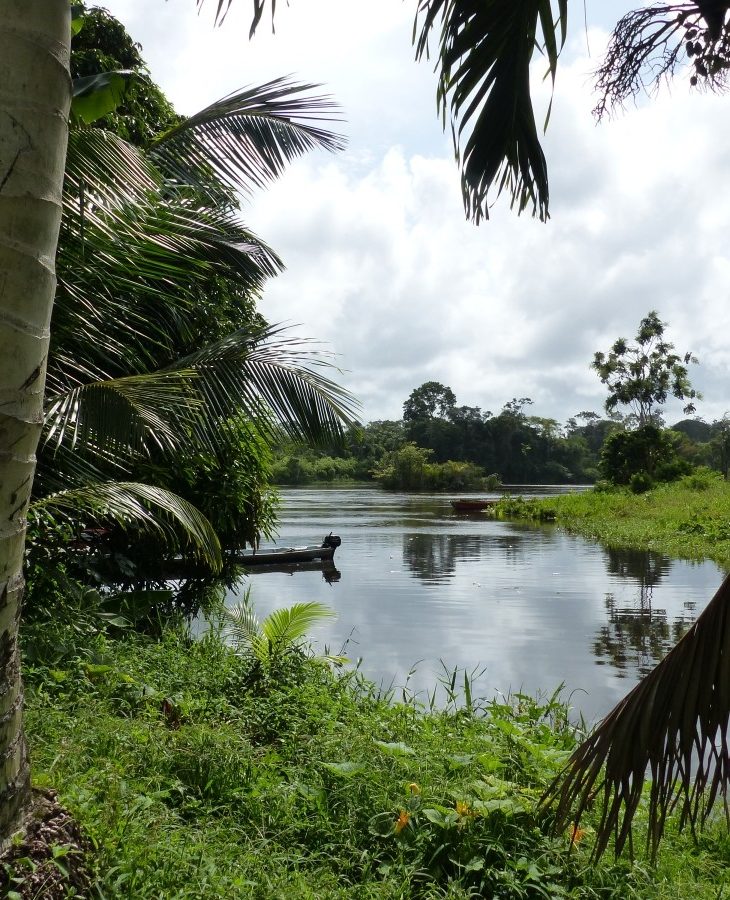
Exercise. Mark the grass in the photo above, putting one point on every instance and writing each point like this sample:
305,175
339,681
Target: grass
689,519
198,773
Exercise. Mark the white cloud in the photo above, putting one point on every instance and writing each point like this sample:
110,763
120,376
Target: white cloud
382,265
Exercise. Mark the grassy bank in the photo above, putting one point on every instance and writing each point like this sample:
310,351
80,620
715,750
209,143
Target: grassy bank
198,774
688,519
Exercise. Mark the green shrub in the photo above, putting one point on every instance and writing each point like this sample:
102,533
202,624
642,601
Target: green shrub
648,450
702,479
640,483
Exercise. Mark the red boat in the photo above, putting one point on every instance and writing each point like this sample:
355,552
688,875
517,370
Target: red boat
472,504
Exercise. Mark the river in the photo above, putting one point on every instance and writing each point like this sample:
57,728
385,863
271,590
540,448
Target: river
422,590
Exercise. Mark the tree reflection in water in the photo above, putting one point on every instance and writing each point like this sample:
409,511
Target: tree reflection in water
637,637
432,557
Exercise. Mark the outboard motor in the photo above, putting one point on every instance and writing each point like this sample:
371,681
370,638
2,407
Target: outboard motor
332,540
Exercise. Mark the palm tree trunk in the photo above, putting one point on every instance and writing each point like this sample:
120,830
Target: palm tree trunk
35,94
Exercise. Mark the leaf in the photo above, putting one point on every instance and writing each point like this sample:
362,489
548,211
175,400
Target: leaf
247,138
484,55
344,769
95,96
673,725
443,818
459,760
78,12
489,762
284,627
395,748
150,508
509,806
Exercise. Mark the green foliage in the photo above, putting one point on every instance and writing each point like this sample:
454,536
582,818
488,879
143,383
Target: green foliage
411,469
641,457
103,45
229,483
431,400
642,375
280,634
678,519
194,779
702,479
307,466
161,375
95,96
640,482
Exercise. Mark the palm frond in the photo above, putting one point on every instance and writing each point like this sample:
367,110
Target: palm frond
285,627
252,367
123,415
674,726
247,138
254,377
484,55
134,262
281,631
241,626
149,508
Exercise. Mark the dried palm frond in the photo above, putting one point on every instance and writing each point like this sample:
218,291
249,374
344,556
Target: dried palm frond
673,725
649,45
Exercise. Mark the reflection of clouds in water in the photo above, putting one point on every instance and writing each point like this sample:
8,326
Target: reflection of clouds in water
527,603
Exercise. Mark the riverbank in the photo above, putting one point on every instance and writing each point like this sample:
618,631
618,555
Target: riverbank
196,773
688,519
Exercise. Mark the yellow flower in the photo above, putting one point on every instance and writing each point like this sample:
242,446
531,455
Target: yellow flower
402,820
463,809
414,788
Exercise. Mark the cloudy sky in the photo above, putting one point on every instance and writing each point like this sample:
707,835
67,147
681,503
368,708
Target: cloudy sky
385,271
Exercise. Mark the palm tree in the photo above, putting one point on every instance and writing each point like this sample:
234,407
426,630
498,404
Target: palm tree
141,255
34,51
282,632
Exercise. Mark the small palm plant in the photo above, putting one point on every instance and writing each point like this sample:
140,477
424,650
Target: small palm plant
282,632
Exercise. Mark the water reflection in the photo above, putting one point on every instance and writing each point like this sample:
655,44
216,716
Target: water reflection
433,557
634,640
643,565
637,636
534,605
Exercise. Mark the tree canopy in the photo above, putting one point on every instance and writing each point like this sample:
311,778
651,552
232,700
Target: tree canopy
644,374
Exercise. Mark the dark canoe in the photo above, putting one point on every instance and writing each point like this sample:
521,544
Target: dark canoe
277,556
472,505
281,559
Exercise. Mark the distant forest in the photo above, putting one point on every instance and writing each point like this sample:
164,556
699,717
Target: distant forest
464,444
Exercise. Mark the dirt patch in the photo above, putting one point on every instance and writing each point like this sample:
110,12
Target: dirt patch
50,860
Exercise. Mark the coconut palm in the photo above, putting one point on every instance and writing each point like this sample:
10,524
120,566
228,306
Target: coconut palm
156,276
34,46
281,632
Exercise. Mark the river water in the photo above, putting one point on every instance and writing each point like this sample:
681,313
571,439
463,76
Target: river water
528,607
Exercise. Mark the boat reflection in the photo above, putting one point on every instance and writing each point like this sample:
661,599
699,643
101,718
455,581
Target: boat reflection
330,573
